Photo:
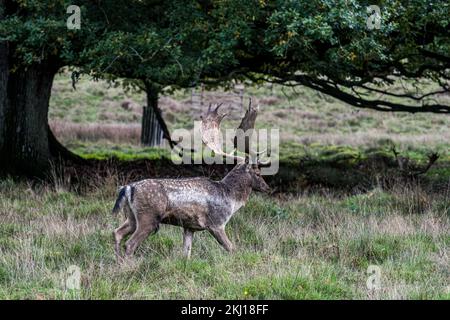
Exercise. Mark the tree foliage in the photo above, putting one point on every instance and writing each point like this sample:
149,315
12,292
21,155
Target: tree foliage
322,44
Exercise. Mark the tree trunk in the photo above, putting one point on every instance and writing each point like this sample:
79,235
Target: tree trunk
3,93
3,79
27,146
151,134
24,148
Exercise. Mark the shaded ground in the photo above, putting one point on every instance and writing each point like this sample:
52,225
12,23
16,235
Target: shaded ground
341,171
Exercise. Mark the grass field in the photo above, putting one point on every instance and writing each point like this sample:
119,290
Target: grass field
298,247
311,240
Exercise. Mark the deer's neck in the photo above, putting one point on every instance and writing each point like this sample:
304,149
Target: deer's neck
238,186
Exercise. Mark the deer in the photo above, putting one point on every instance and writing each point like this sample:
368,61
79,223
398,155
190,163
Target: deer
195,204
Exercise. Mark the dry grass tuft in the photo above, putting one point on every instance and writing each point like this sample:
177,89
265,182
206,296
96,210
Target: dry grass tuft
116,133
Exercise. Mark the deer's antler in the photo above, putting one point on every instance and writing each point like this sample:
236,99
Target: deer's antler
245,132
247,123
262,163
210,131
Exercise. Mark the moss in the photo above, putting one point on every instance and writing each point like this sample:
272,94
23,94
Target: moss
122,154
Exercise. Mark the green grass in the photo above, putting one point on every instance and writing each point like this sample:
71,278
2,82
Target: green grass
303,247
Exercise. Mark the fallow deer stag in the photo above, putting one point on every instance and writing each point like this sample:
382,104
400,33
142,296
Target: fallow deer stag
195,204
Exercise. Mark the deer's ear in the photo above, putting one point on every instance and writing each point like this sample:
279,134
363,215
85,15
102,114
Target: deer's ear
247,167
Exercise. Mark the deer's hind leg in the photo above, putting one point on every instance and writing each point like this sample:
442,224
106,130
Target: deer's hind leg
146,224
129,226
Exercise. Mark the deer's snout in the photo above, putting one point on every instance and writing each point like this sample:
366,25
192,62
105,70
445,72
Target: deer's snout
263,186
266,188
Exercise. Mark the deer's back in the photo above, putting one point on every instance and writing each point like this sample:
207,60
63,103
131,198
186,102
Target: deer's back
194,202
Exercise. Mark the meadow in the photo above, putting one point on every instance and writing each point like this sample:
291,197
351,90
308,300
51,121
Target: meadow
340,206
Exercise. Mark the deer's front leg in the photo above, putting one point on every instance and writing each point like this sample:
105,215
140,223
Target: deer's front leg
187,242
221,237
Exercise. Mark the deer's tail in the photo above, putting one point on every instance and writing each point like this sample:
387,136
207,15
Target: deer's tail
120,199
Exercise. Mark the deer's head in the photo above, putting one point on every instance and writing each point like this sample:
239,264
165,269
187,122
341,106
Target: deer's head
248,167
258,183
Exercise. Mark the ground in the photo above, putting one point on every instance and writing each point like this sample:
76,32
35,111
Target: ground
341,208
298,247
